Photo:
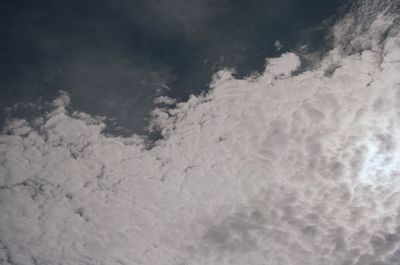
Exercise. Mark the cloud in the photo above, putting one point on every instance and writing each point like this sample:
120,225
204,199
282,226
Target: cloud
280,168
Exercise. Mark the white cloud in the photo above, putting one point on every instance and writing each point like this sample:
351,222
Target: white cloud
275,169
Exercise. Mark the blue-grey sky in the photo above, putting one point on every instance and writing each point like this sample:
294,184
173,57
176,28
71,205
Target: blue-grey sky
114,57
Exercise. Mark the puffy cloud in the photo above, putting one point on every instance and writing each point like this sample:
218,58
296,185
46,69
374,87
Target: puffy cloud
280,168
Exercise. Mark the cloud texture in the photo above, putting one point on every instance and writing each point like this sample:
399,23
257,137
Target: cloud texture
280,168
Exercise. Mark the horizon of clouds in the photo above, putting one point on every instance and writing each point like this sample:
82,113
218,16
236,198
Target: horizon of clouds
277,168
115,57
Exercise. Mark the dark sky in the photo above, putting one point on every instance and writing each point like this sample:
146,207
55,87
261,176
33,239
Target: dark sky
115,56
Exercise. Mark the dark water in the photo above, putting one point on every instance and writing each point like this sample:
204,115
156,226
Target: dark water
115,56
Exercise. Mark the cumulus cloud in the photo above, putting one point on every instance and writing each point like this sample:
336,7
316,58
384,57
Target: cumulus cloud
280,168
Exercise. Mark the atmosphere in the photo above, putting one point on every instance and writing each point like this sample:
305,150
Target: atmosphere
115,57
200,132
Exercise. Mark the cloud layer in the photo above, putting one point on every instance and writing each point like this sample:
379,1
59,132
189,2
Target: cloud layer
280,168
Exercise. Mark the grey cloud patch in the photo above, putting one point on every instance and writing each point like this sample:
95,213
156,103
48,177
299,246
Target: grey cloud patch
238,233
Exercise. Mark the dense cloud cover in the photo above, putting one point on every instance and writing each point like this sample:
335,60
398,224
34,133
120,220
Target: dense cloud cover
280,168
